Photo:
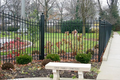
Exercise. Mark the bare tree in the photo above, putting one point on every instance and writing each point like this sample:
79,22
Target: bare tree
87,9
14,6
47,6
71,8
61,7
81,9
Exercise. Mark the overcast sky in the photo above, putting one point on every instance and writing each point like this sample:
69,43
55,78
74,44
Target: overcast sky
103,2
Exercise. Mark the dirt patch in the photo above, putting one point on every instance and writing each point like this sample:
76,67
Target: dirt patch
34,69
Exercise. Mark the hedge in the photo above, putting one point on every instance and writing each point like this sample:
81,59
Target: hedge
13,28
71,25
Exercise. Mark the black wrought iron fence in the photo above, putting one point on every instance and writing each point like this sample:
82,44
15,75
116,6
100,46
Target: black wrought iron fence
66,38
19,36
104,36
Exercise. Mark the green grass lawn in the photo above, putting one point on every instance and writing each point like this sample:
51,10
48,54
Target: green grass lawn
84,42
118,32
54,38
3,34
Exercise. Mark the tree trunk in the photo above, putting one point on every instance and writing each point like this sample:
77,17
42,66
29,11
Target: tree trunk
83,17
83,27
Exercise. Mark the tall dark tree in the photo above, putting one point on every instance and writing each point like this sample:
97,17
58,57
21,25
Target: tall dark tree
47,6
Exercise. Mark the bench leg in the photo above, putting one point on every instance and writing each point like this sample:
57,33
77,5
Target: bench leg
56,75
80,75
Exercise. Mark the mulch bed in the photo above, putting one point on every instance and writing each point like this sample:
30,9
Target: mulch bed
34,69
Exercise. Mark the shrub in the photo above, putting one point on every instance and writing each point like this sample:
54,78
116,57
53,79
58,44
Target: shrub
34,32
45,61
74,77
51,75
13,28
83,58
7,66
73,25
23,59
90,51
53,57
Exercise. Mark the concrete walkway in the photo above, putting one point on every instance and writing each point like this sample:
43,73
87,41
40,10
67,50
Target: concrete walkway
110,69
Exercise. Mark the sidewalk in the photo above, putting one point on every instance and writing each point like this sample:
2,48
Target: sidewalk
110,69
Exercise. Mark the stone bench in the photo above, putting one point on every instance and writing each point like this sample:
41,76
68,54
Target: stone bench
56,66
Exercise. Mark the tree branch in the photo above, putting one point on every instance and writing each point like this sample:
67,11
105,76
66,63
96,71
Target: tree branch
51,6
108,3
41,3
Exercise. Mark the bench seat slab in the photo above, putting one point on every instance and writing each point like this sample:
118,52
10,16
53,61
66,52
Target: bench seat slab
56,66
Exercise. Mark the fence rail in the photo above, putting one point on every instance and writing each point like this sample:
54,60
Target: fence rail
104,36
19,36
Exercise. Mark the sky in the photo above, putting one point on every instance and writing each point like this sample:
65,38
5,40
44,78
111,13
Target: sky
95,0
103,2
